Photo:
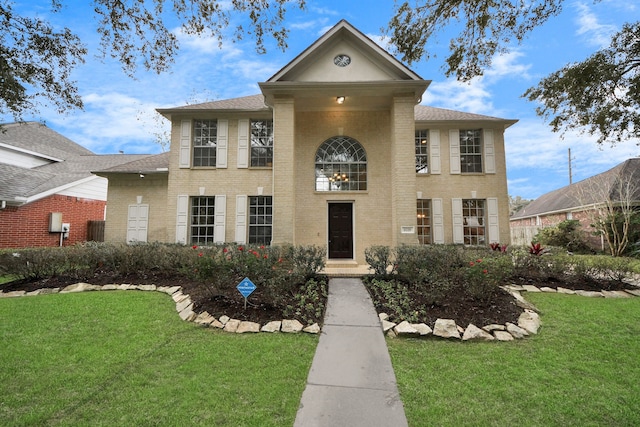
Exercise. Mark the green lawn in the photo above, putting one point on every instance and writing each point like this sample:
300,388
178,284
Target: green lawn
581,370
126,358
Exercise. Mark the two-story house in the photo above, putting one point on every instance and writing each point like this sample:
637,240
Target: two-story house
336,151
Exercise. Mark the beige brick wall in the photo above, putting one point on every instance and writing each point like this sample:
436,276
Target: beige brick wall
300,211
124,190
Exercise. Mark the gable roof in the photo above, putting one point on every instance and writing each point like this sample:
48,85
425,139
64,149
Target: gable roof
579,194
344,32
69,163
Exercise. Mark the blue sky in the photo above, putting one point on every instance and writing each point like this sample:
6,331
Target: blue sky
119,112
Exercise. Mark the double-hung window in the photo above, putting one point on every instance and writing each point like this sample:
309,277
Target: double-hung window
261,143
205,139
471,151
260,219
202,220
422,151
474,217
424,222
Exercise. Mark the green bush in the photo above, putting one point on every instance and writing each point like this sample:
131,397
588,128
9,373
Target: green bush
566,234
379,259
309,301
394,297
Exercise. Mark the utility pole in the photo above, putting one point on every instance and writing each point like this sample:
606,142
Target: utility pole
570,173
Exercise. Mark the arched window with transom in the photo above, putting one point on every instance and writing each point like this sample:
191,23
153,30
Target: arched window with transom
341,165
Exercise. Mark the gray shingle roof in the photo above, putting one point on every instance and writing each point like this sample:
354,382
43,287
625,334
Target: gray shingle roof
73,162
582,193
38,138
158,163
256,103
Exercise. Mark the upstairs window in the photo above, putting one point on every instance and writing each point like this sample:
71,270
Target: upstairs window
205,139
422,151
261,143
341,165
470,151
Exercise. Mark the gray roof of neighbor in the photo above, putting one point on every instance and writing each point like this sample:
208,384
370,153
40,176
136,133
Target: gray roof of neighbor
70,162
586,192
158,163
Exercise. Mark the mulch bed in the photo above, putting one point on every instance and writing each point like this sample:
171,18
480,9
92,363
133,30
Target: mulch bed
500,309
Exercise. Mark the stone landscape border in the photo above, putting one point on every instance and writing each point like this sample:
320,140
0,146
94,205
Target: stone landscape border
528,323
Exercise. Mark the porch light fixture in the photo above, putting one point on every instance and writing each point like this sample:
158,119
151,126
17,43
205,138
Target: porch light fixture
340,99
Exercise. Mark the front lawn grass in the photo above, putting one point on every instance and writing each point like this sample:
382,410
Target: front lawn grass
126,358
581,370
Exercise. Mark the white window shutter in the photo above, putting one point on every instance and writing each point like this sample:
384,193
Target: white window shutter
241,219
454,151
438,221
220,219
243,143
434,152
182,219
492,214
489,152
185,144
222,143
458,223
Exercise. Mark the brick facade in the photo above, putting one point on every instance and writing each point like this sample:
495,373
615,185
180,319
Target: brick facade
28,225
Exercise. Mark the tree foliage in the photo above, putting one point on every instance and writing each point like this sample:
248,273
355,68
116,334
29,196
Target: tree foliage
489,27
600,95
36,60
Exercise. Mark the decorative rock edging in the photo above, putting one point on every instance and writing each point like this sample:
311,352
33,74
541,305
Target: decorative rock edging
184,307
528,323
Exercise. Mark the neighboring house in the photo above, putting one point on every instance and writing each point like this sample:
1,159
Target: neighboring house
335,152
578,202
48,195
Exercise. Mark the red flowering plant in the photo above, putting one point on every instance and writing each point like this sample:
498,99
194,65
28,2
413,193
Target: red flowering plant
483,276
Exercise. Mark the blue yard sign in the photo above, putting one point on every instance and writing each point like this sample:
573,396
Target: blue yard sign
246,288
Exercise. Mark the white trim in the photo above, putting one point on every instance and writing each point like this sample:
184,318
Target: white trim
241,218
434,152
184,155
458,221
222,143
454,151
243,143
31,153
220,219
493,225
489,152
437,216
182,218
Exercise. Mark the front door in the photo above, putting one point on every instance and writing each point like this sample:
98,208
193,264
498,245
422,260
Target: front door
341,230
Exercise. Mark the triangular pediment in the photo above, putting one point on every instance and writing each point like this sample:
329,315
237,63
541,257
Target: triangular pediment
344,54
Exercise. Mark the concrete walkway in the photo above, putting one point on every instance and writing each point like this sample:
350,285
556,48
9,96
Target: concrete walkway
351,381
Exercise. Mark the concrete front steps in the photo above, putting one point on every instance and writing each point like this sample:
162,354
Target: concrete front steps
335,268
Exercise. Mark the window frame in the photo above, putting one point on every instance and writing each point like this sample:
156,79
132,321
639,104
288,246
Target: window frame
474,234
261,141
422,151
255,203
341,165
471,151
208,227
424,213
206,144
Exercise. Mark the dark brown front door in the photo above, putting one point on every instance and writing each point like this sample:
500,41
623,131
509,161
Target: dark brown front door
341,230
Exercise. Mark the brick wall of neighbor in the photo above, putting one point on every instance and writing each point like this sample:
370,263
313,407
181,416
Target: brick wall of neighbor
28,225
124,190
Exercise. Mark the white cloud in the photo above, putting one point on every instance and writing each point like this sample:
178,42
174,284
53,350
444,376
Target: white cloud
382,41
471,97
591,29
506,65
